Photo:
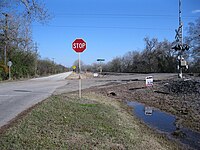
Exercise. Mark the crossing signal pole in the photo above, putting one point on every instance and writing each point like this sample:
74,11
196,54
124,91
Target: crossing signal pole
179,45
180,42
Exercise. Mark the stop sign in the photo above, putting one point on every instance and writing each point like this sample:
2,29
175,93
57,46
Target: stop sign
79,45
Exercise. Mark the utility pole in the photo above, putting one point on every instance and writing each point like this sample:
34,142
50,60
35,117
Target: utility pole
26,39
53,69
6,37
36,51
53,60
180,46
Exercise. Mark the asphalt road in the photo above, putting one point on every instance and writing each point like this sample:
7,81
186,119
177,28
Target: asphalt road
15,97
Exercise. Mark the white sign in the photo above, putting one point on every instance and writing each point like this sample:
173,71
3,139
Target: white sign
9,63
149,81
96,75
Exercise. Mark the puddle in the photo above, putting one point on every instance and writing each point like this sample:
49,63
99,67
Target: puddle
165,123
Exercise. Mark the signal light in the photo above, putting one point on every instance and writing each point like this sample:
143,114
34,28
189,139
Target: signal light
186,47
180,47
177,47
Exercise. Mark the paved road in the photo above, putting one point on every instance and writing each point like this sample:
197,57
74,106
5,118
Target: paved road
16,97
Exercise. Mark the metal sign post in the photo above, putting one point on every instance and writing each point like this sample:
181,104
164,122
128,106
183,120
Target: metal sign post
79,64
79,45
100,60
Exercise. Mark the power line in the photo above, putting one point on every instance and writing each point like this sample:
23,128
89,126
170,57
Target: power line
104,27
117,15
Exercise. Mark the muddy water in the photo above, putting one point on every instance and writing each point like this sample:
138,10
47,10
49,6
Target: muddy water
165,123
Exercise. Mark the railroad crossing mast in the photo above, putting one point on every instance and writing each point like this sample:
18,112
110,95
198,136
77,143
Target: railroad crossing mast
180,47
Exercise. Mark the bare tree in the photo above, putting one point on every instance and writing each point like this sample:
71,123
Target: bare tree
193,39
156,57
115,65
35,9
16,34
148,53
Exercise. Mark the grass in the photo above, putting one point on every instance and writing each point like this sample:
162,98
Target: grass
94,122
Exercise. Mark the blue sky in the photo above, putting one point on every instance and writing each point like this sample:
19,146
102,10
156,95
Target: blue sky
110,27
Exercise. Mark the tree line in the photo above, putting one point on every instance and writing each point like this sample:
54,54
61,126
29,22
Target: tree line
16,43
157,56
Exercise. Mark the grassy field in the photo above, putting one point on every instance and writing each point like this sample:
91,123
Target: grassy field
94,122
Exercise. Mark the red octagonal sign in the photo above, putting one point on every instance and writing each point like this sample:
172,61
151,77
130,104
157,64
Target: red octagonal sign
79,45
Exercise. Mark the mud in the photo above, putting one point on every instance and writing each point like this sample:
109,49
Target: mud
179,97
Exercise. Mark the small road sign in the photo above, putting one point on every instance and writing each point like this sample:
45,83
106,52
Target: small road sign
149,81
9,64
79,45
100,59
74,67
